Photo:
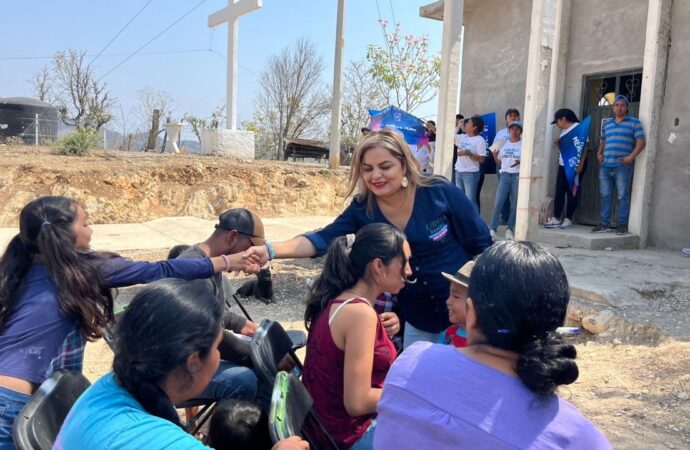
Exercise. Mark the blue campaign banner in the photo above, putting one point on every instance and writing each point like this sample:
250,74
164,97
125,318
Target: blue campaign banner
412,128
571,146
489,131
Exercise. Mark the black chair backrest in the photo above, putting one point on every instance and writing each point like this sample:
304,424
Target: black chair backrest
39,422
268,347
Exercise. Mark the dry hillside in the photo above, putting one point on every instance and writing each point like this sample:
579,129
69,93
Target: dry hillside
122,187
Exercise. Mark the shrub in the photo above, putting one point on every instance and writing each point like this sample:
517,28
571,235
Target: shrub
77,143
12,140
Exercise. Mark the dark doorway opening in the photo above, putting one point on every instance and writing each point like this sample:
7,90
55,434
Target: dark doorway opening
598,95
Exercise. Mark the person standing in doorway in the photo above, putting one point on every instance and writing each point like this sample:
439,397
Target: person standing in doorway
566,120
622,139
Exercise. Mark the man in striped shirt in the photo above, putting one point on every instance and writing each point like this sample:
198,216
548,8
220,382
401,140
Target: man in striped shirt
622,139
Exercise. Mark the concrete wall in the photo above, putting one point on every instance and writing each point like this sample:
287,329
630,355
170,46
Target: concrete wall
671,194
604,37
494,67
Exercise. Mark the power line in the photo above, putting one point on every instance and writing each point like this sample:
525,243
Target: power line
161,52
152,39
392,10
121,30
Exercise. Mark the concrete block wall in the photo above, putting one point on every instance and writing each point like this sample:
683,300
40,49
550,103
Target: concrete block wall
670,214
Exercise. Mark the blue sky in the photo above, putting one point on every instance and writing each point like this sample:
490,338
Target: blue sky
197,79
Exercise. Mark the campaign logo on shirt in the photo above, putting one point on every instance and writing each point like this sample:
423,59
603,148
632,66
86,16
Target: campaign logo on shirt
437,229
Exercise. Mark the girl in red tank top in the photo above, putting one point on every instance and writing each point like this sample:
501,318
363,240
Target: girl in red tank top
349,351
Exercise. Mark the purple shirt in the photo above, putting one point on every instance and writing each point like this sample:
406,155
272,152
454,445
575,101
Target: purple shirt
33,337
436,397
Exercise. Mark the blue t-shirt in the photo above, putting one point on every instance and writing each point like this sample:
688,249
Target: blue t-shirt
33,336
107,417
444,232
619,139
436,397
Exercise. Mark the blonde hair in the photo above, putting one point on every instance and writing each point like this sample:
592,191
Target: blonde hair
396,145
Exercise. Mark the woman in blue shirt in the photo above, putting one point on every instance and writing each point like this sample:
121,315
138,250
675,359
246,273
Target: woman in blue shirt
55,295
443,228
167,353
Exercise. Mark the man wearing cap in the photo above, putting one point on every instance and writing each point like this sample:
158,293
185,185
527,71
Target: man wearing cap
622,139
566,120
237,230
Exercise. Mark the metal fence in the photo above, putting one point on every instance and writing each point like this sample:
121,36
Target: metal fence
32,129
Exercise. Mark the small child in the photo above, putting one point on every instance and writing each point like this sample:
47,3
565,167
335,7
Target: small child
238,425
455,334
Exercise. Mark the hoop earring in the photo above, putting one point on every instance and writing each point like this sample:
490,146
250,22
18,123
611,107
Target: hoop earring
404,182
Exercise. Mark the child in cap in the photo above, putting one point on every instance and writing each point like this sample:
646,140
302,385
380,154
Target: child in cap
456,302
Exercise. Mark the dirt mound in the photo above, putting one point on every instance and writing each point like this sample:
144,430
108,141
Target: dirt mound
121,187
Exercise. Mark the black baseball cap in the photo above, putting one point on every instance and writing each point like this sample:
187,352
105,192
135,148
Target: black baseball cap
244,222
511,111
565,113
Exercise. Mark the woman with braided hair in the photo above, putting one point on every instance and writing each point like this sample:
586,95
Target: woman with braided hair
166,353
499,391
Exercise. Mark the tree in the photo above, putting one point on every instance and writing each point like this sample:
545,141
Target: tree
151,99
83,101
292,101
42,84
360,94
214,121
404,72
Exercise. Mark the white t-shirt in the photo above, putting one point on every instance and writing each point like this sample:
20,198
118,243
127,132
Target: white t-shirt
563,133
504,134
508,155
421,153
476,145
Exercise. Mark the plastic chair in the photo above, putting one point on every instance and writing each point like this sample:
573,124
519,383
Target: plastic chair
269,346
291,408
39,422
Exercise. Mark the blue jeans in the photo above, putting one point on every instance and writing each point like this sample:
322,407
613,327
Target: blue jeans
468,182
232,381
413,335
507,189
11,404
366,442
622,177
505,212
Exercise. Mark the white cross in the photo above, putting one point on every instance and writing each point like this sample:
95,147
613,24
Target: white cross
230,14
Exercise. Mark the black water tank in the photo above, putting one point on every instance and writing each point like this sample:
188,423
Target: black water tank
19,116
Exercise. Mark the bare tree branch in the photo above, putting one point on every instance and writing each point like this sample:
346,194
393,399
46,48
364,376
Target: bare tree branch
292,101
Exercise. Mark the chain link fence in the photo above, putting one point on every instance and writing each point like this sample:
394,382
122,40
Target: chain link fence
24,126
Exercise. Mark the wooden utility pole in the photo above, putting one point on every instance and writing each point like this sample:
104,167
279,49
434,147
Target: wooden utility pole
153,132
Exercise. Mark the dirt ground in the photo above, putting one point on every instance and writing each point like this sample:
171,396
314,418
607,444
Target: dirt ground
636,394
129,187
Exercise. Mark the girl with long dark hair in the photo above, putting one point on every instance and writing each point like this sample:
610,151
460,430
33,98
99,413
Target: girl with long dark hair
499,391
166,353
55,295
348,349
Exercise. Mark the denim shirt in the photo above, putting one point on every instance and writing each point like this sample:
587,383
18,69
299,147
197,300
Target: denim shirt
444,232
